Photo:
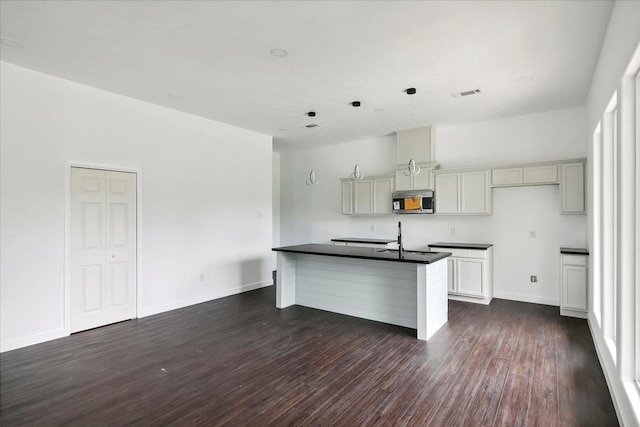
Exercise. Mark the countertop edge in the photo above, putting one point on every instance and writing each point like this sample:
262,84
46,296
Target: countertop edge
452,245
574,251
435,258
363,240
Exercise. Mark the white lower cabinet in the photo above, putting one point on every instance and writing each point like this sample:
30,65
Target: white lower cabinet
573,285
471,280
470,274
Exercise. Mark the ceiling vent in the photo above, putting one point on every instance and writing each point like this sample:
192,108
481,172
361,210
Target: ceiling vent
312,125
466,93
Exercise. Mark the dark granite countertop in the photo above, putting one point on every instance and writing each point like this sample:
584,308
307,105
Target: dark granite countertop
415,257
481,246
363,240
574,251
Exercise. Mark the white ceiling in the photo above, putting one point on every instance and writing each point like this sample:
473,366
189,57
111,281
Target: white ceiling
215,55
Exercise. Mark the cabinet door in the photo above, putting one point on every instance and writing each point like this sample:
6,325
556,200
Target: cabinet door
451,274
423,180
475,192
574,287
547,174
572,188
470,276
510,176
362,196
382,189
402,182
447,193
347,199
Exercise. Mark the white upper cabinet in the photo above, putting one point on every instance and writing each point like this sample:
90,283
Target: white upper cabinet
529,174
347,196
542,174
418,144
371,196
382,189
572,188
447,193
475,194
507,176
363,197
421,181
464,192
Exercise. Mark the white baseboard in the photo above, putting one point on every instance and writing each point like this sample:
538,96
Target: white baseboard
526,298
32,339
624,394
150,311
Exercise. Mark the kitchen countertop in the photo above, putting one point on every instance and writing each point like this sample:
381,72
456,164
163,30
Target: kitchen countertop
363,240
422,257
482,246
574,251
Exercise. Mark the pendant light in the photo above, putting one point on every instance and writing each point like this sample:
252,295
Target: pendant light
356,175
411,169
312,180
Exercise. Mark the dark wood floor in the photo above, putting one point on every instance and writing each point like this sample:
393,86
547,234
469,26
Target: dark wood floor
241,361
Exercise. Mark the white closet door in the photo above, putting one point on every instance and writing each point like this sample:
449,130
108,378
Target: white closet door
103,247
121,246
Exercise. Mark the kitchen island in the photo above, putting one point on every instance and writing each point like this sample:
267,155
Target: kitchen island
370,283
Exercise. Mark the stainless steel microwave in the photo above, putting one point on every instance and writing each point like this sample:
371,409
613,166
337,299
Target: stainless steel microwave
412,202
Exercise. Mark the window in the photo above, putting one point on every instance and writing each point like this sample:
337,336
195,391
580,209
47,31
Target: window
596,164
608,224
636,313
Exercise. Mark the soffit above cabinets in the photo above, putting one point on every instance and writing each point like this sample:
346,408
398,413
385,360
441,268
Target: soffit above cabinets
418,144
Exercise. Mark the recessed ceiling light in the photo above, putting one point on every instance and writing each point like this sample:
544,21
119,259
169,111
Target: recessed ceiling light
11,43
174,95
525,79
278,52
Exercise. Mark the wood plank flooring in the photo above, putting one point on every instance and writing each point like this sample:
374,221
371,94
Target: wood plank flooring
240,361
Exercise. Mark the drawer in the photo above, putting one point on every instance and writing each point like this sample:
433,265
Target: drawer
580,260
462,253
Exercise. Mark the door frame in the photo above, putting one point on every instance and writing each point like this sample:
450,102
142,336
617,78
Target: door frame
67,229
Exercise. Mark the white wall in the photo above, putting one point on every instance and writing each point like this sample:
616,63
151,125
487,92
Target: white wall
204,186
275,185
312,213
621,41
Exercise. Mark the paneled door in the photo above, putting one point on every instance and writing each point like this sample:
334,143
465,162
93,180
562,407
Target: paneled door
103,247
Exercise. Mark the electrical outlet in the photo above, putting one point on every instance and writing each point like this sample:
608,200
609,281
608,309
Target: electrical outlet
202,277
532,234
373,228
534,279
453,230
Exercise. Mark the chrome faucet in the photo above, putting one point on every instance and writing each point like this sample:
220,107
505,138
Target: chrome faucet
400,248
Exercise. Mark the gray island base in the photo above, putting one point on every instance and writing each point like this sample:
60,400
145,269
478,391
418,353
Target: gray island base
366,283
